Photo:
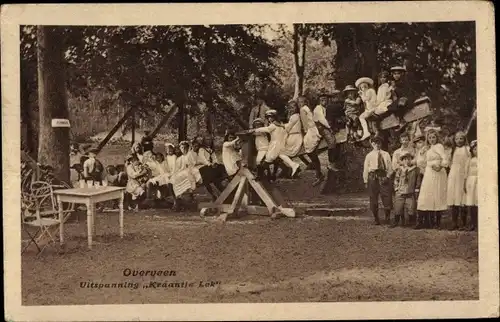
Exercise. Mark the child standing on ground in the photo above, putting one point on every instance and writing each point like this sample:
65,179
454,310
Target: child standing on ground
456,180
377,172
352,109
432,196
470,198
369,98
406,185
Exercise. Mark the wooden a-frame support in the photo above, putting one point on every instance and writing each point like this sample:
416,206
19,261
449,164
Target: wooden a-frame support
248,192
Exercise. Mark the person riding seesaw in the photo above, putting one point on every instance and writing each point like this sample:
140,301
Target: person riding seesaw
277,140
402,98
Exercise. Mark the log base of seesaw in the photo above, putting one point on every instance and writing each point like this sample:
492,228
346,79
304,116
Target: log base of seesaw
240,204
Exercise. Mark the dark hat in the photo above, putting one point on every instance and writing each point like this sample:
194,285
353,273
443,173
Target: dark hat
417,138
93,150
406,154
350,88
324,93
376,139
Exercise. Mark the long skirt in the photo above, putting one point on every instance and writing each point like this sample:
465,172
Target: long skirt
293,144
456,186
432,196
311,139
470,198
182,181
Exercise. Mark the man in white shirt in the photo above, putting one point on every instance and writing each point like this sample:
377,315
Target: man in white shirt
259,111
377,173
325,130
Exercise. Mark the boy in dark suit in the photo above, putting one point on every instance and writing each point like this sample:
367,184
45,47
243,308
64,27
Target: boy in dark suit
406,185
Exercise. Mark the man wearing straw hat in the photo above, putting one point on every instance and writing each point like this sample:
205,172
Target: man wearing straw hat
403,96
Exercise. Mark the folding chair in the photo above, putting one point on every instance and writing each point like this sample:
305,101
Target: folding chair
41,211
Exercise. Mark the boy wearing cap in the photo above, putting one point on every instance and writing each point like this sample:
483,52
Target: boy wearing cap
261,141
377,172
406,185
406,146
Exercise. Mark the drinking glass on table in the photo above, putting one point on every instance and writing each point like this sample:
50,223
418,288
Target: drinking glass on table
97,184
90,184
105,183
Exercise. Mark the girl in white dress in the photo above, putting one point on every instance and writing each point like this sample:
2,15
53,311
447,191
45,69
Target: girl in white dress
277,143
183,180
456,180
369,98
294,139
231,157
384,93
470,198
432,197
420,161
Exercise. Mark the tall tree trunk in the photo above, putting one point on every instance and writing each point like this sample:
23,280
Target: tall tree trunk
53,146
299,57
28,119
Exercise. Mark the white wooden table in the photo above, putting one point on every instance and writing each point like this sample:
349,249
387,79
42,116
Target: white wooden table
89,197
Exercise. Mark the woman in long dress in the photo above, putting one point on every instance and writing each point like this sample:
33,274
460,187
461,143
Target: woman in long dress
432,199
470,198
456,180
294,139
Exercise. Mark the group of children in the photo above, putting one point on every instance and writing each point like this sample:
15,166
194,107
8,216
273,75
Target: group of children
362,103
423,179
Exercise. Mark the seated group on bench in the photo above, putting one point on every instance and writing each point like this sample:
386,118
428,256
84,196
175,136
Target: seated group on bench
150,178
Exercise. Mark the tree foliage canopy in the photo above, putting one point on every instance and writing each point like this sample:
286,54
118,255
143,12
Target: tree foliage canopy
222,67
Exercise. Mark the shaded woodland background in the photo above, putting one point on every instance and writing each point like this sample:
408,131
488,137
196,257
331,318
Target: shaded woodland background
213,73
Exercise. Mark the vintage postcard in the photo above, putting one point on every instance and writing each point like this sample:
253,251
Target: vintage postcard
249,161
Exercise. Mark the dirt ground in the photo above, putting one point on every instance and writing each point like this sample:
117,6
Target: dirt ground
341,257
